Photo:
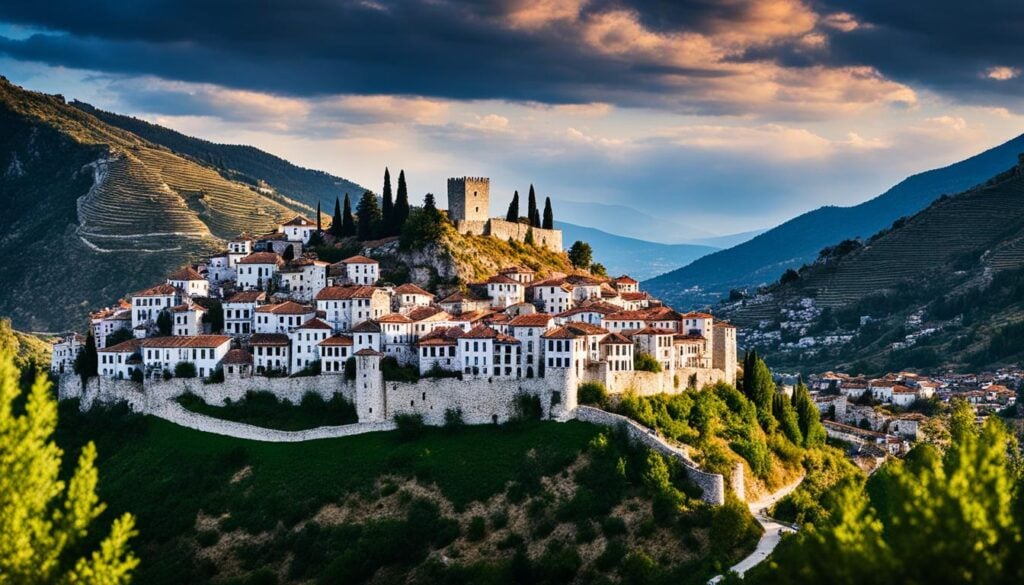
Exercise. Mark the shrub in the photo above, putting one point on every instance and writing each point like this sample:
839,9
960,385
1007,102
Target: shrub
137,376
410,426
593,393
613,526
499,520
645,362
436,371
167,375
453,418
528,407
350,368
393,372
185,370
477,530
216,376
311,369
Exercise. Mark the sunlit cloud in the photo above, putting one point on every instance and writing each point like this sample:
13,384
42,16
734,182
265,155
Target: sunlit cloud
1002,73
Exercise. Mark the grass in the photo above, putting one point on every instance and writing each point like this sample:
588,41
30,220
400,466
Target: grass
264,410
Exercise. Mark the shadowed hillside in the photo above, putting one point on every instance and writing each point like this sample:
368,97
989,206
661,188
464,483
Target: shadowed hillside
798,241
92,212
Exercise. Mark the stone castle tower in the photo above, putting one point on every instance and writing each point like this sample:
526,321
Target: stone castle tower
469,199
724,350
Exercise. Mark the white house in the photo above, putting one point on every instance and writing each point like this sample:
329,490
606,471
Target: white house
187,320
334,353
147,304
691,351
504,291
409,296
553,296
65,351
487,353
564,349
118,361
361,270
189,282
270,352
241,246
302,279
584,288
528,329
107,321
306,342
426,319
397,337
240,311
298,229
161,354
257,270
617,351
219,269
459,302
282,317
439,349
625,284
366,335
237,364
345,306
520,274
657,343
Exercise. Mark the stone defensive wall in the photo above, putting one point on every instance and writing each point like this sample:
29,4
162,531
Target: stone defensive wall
653,383
712,484
551,239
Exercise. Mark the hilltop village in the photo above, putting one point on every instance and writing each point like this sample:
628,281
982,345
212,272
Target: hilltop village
265,308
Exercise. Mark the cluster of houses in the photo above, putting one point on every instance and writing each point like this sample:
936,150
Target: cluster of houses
267,308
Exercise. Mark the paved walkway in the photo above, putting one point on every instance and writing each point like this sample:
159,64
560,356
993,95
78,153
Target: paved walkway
773,530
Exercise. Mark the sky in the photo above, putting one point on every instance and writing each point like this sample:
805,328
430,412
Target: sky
714,116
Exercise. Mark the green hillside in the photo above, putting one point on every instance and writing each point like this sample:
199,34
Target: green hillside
92,212
956,267
522,503
245,164
798,241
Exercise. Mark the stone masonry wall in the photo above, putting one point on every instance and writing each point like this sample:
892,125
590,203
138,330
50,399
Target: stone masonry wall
652,383
503,230
712,484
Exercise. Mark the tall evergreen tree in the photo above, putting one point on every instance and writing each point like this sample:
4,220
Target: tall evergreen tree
336,223
549,216
428,203
808,416
531,208
401,203
369,217
348,223
387,207
513,209
319,227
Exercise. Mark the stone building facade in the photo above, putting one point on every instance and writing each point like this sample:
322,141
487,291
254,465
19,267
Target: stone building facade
468,208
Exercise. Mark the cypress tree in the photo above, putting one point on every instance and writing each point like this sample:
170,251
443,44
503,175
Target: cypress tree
387,206
531,209
348,223
549,216
369,217
513,209
401,203
428,203
336,223
319,228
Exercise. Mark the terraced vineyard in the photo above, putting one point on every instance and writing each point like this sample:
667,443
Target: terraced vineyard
93,212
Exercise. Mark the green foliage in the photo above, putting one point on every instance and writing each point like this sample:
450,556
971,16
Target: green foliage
785,414
528,407
350,368
394,372
163,323
387,224
313,368
645,362
44,519
453,418
348,222
410,426
137,376
581,254
119,336
598,269
215,377
827,469
593,393
369,217
401,213
423,228
529,239
87,362
477,529
263,409
953,517
811,429
549,217
789,276
733,528
185,370
513,209
531,210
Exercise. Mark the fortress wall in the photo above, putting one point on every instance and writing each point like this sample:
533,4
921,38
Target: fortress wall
552,239
712,484
664,382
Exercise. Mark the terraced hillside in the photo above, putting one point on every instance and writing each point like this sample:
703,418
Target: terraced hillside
940,287
92,212
241,163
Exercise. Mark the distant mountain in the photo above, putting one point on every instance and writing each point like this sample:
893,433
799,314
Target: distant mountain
943,287
245,164
730,240
92,212
627,221
798,241
638,258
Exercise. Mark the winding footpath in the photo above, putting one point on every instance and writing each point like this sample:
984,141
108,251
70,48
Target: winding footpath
773,530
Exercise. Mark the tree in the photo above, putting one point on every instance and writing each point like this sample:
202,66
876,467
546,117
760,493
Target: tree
645,362
319,227
789,276
387,207
369,217
87,362
44,520
185,370
549,216
785,414
428,203
528,240
808,416
163,323
531,209
348,223
336,222
214,316
401,203
581,255
289,254
598,269
119,336
513,209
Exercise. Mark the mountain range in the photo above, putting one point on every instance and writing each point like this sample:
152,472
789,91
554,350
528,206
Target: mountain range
624,255
764,258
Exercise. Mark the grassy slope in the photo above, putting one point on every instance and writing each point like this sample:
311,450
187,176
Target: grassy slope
264,410
216,509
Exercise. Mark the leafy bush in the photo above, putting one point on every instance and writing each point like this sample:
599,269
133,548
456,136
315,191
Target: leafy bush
185,370
310,369
393,372
137,376
477,530
528,407
593,393
350,368
453,418
645,362
410,426
436,371
216,376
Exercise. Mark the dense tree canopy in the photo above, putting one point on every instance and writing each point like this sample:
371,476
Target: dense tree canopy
513,208
581,254
369,216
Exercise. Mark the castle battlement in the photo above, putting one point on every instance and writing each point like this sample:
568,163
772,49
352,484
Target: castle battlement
469,209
